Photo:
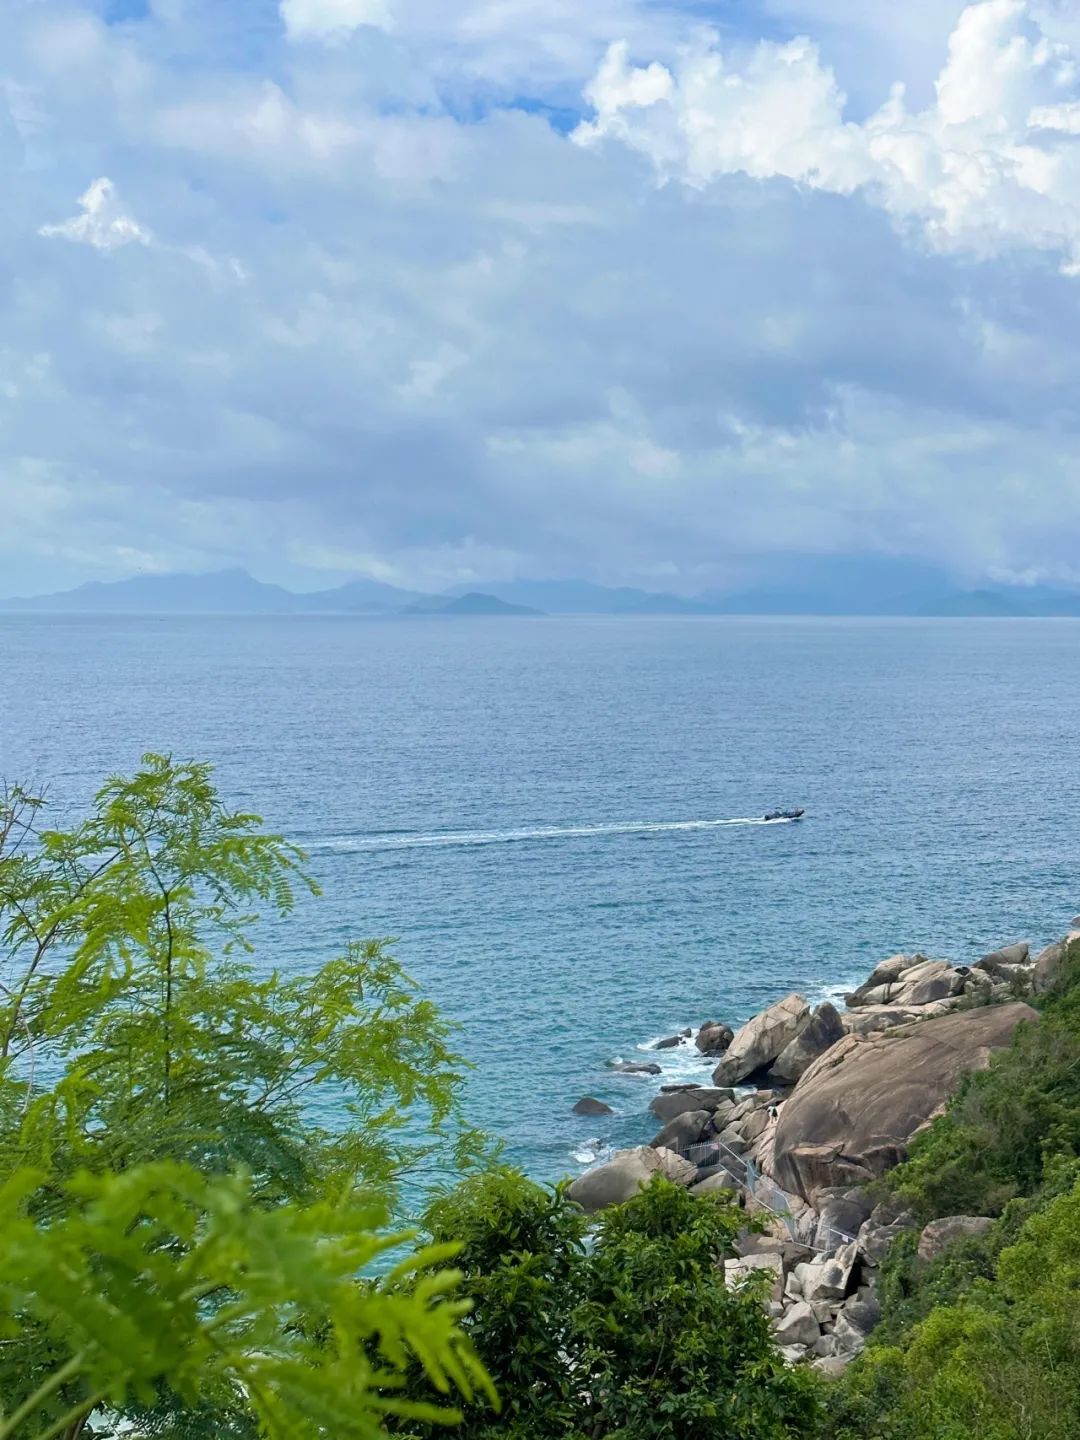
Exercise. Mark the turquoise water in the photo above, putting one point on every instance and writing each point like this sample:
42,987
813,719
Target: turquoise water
557,818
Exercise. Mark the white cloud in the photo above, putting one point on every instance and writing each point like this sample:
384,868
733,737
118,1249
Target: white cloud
103,222
258,123
391,317
332,19
991,165
1065,118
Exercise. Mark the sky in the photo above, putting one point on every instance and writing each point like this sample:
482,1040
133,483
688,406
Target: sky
629,290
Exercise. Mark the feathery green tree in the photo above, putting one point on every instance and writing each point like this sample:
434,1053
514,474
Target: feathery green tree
158,1104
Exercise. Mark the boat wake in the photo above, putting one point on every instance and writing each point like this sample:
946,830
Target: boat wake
510,837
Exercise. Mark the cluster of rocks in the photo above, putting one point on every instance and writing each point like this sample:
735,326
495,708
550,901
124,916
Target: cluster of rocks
821,1300
822,1296
779,1045
827,1100
908,987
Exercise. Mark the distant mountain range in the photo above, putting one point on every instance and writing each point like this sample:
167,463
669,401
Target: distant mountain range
785,585
235,592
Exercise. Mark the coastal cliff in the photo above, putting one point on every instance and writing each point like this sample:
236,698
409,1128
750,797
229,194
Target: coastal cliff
810,1108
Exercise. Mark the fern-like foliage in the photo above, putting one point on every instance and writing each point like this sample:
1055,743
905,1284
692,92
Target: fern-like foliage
162,1278
196,1151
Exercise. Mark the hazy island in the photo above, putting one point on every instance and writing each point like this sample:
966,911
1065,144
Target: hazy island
786,585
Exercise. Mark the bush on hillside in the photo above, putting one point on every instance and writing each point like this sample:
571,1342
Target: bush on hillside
985,1339
521,1258
632,1336
1009,1125
1001,1363
668,1351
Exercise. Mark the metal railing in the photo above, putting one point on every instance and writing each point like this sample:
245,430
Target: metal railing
747,1176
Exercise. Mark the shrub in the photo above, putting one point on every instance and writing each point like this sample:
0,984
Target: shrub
522,1258
630,1336
667,1349
1002,1360
1008,1125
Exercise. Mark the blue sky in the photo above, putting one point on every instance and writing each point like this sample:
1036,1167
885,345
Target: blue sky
626,290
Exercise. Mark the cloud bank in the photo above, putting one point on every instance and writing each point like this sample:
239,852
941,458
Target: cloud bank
992,165
450,293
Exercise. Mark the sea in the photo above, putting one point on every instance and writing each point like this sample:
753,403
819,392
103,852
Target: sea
560,819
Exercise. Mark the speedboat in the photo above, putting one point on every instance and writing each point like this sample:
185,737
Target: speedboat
785,814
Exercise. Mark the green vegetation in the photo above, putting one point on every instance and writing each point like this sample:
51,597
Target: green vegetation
985,1339
669,1350
181,1245
186,1305
1010,1126
631,1337
999,1360
523,1251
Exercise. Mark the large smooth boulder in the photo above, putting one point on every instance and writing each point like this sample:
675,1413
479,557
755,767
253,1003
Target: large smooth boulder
731,1165
892,969
755,1124
924,970
882,994
798,1326
887,979
666,1107
751,1242
713,1038
620,1178
878,1017
841,1215
978,982
589,1105
683,1131
876,1240
731,1139
762,1039
1049,964
940,1235
674,1168
855,1110
863,1311
828,1279
850,1339
825,1029
757,1100
926,991
712,1098
1005,961
919,983
617,1180
670,1103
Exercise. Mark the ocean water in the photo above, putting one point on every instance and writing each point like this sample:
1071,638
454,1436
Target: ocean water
559,819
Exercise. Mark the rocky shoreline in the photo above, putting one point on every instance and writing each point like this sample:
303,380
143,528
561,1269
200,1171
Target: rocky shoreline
806,1107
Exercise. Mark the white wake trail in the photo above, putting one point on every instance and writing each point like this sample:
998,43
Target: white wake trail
510,837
